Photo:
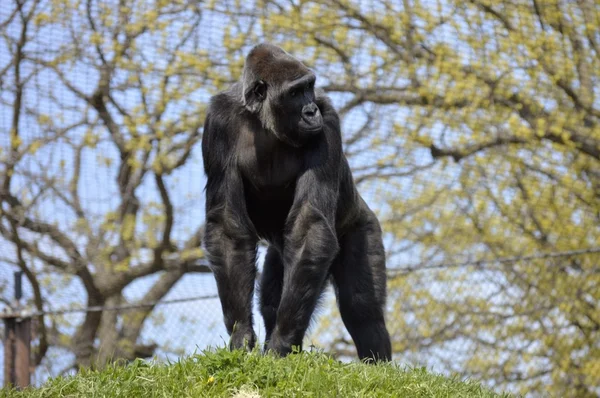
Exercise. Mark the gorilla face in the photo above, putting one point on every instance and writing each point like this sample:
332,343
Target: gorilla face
294,111
280,90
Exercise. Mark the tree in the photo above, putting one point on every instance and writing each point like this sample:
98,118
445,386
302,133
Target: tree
472,128
121,91
502,97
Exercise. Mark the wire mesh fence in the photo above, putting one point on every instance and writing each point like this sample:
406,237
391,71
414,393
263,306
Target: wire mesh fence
473,131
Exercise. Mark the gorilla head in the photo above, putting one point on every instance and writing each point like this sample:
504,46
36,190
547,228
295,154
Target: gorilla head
279,90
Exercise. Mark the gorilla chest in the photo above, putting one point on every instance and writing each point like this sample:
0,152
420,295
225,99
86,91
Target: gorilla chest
269,187
271,170
268,209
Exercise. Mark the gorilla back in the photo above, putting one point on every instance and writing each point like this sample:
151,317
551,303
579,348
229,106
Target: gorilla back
272,152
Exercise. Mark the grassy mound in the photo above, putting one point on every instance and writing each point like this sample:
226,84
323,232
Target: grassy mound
239,374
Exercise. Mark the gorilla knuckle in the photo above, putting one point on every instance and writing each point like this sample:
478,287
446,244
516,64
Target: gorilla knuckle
242,338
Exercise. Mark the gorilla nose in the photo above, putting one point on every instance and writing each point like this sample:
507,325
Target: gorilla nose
310,110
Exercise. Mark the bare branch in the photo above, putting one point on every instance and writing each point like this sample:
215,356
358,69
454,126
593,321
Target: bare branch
18,97
490,10
74,184
166,238
35,251
9,19
460,153
379,174
55,235
393,95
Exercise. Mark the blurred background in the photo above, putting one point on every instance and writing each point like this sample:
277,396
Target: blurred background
472,127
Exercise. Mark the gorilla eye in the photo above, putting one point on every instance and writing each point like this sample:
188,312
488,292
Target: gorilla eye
293,93
260,89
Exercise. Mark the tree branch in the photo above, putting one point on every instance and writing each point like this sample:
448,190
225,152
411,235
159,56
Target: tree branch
460,153
57,236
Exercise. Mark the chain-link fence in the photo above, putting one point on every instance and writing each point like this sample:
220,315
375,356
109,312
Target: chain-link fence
472,128
183,321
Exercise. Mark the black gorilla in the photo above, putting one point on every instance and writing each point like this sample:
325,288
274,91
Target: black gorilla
275,170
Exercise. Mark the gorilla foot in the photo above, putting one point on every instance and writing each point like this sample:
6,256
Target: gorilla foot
244,338
280,347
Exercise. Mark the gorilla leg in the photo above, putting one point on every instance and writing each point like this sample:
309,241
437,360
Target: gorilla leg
359,280
233,262
270,289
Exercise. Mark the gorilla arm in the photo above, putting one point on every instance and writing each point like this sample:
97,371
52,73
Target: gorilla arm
310,239
230,242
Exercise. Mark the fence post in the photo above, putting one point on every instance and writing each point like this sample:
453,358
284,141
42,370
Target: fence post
23,353
9,351
17,344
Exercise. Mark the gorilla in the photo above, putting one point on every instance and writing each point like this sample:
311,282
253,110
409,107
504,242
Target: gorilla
272,152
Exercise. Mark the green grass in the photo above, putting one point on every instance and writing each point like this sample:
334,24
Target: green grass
238,374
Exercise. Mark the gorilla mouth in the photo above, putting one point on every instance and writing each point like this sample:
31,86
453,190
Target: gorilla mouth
312,129
311,125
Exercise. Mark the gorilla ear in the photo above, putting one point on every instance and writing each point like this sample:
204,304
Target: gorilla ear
255,95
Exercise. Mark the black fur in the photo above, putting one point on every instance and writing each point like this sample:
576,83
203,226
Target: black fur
275,170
